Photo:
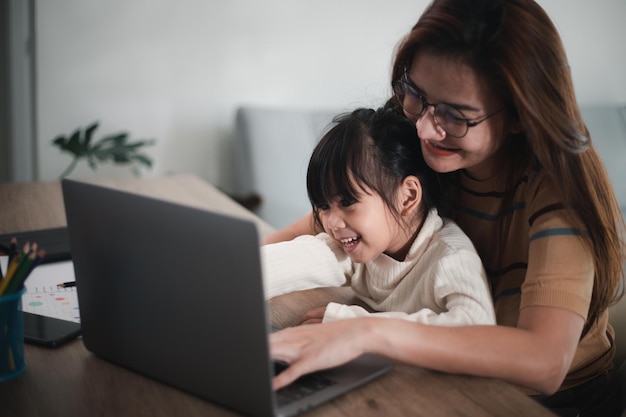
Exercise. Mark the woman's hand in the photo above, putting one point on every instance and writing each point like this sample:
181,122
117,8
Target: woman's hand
316,346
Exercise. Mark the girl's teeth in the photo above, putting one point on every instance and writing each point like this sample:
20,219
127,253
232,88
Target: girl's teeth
350,241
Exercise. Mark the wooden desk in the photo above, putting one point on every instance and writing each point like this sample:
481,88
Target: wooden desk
70,381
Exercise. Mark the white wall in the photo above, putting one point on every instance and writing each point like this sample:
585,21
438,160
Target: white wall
175,70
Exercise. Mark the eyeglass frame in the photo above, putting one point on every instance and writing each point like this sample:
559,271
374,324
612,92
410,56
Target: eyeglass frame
425,105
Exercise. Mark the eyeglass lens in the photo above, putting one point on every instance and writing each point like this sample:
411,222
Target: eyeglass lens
412,102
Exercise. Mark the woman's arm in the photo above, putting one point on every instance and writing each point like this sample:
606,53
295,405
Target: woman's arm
536,354
302,226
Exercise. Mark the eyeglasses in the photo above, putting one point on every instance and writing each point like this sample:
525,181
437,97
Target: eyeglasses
449,118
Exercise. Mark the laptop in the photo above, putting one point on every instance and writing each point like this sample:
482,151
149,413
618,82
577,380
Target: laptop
176,293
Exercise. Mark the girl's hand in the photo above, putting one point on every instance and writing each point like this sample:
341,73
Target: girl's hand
314,316
314,347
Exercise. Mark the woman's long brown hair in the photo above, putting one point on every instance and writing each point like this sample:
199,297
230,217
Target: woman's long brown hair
515,48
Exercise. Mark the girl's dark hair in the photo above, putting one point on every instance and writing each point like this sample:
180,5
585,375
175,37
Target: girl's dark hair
515,48
369,148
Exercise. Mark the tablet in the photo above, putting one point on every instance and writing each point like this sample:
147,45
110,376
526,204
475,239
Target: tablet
48,331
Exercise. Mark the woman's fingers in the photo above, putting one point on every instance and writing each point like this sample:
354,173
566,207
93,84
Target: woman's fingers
311,348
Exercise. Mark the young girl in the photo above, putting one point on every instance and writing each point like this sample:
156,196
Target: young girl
489,88
373,196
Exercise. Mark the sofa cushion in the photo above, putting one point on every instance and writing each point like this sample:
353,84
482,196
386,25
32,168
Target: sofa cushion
607,125
272,150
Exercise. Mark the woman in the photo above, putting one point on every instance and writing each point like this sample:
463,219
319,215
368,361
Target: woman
488,85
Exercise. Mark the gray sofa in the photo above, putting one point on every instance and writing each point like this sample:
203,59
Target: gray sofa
272,148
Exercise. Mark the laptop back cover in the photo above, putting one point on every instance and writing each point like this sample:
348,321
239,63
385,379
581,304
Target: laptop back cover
172,292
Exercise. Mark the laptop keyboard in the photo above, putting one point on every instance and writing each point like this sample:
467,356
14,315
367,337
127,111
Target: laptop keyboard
303,387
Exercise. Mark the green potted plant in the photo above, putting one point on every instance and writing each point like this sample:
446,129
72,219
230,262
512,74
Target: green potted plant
114,148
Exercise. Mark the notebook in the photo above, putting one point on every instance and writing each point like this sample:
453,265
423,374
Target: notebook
176,293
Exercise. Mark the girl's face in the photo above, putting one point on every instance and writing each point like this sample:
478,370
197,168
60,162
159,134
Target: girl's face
443,80
364,228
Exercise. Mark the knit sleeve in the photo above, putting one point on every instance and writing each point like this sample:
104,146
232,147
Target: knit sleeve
303,263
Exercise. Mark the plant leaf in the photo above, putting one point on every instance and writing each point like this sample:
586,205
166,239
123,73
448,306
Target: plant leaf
142,159
74,144
115,148
89,133
60,141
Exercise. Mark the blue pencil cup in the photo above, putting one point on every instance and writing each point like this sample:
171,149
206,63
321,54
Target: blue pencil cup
12,362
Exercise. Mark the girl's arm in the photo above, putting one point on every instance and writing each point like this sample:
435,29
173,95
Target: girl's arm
462,311
303,263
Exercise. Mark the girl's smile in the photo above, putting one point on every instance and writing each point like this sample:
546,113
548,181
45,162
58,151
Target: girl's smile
350,243
364,228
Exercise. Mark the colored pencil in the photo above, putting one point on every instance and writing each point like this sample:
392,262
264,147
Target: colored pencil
10,251
21,274
19,281
12,267
21,266
12,248
41,253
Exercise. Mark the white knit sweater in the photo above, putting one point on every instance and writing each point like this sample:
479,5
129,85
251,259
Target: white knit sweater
441,281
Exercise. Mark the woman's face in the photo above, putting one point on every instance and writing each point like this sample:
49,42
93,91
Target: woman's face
443,80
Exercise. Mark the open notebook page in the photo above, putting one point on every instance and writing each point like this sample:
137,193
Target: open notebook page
42,296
